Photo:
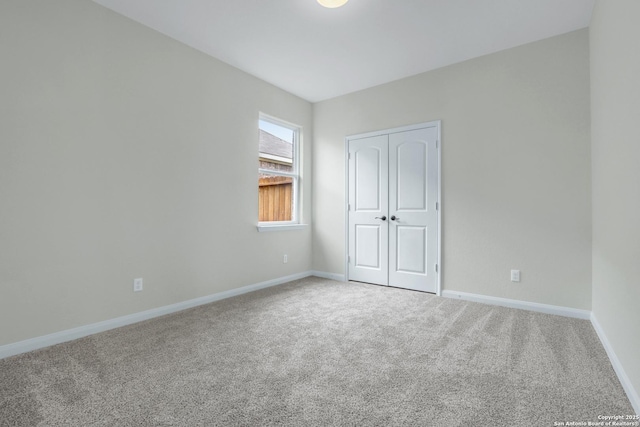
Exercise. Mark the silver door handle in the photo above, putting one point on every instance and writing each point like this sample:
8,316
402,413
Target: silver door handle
384,218
393,218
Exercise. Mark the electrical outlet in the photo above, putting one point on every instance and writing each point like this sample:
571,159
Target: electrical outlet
137,285
285,259
515,275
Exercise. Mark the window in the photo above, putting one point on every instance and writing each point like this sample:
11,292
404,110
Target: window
278,181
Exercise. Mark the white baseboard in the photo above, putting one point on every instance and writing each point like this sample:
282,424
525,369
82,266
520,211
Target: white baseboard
83,331
523,305
330,276
632,393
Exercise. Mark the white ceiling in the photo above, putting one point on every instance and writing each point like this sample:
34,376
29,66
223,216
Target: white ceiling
318,53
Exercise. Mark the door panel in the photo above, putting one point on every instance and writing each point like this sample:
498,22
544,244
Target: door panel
413,194
368,250
367,173
411,183
368,203
412,246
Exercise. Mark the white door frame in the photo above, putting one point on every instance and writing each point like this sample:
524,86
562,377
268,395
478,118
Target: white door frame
438,125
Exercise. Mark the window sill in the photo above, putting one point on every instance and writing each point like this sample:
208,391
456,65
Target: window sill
281,227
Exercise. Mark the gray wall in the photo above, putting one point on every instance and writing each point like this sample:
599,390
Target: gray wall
125,154
516,168
615,107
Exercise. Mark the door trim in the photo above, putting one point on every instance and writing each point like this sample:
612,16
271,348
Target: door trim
438,125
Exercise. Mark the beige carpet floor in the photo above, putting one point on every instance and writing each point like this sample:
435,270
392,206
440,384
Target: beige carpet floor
318,352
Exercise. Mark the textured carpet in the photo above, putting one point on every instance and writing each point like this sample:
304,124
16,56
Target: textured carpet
317,352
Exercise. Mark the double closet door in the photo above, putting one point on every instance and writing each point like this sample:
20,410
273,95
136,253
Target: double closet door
393,208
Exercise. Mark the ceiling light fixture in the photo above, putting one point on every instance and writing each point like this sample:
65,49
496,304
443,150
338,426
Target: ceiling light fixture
332,3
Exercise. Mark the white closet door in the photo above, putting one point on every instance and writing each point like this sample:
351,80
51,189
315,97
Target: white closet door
368,210
413,193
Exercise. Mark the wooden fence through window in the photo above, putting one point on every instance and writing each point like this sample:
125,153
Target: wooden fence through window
274,198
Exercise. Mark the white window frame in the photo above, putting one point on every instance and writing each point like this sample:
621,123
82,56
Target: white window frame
294,224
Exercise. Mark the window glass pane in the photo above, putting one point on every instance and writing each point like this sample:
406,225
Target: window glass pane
275,198
276,147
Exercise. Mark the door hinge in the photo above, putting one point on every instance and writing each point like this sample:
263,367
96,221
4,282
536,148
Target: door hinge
349,156
349,207
436,268
437,142
349,259
437,206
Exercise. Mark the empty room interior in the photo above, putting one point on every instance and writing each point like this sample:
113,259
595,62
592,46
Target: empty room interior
319,212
